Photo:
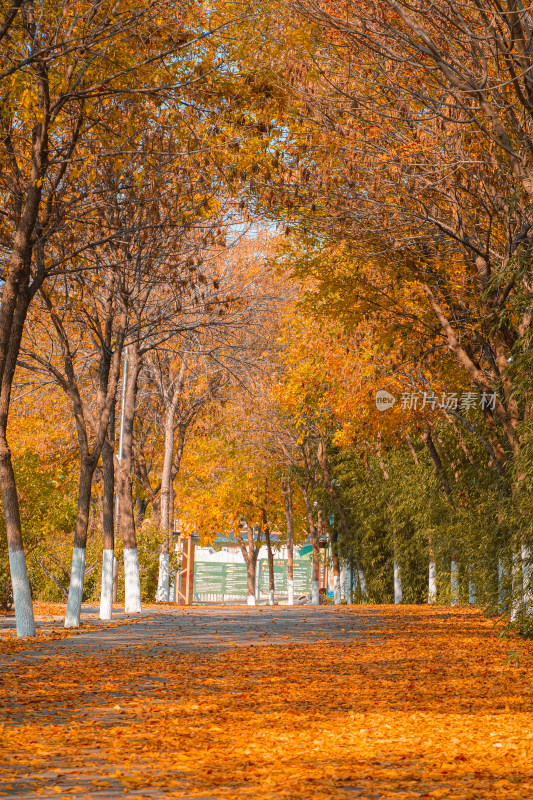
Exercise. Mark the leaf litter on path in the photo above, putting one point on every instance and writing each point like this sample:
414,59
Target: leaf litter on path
420,703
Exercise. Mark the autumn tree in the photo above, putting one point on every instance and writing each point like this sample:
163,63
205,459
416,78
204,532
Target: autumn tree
64,107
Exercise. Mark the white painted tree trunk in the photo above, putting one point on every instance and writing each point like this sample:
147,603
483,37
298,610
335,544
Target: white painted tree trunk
173,588
337,594
132,581
290,592
75,592
471,592
251,600
344,580
257,584
432,583
315,594
527,573
454,583
163,587
106,594
115,579
271,598
398,594
21,593
501,577
362,585
517,585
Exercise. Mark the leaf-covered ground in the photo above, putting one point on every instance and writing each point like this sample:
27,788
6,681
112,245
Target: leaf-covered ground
296,703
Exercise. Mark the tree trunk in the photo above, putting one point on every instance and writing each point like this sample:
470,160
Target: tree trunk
77,572
322,460
140,510
437,461
454,582
132,583
166,494
250,582
398,592
163,580
115,579
13,309
166,473
313,535
315,576
346,580
336,568
270,556
108,372
362,584
432,585
501,586
471,586
171,509
156,509
17,560
141,473
287,499
108,528
16,296
526,577
516,582
132,578
250,553
173,589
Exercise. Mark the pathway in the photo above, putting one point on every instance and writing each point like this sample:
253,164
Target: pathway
298,703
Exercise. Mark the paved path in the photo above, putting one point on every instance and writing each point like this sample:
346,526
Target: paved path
214,629
156,639
53,619
238,703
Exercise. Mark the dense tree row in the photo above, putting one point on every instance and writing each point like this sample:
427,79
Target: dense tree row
152,161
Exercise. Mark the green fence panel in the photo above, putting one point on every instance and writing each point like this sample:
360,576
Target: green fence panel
215,577
301,573
220,578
